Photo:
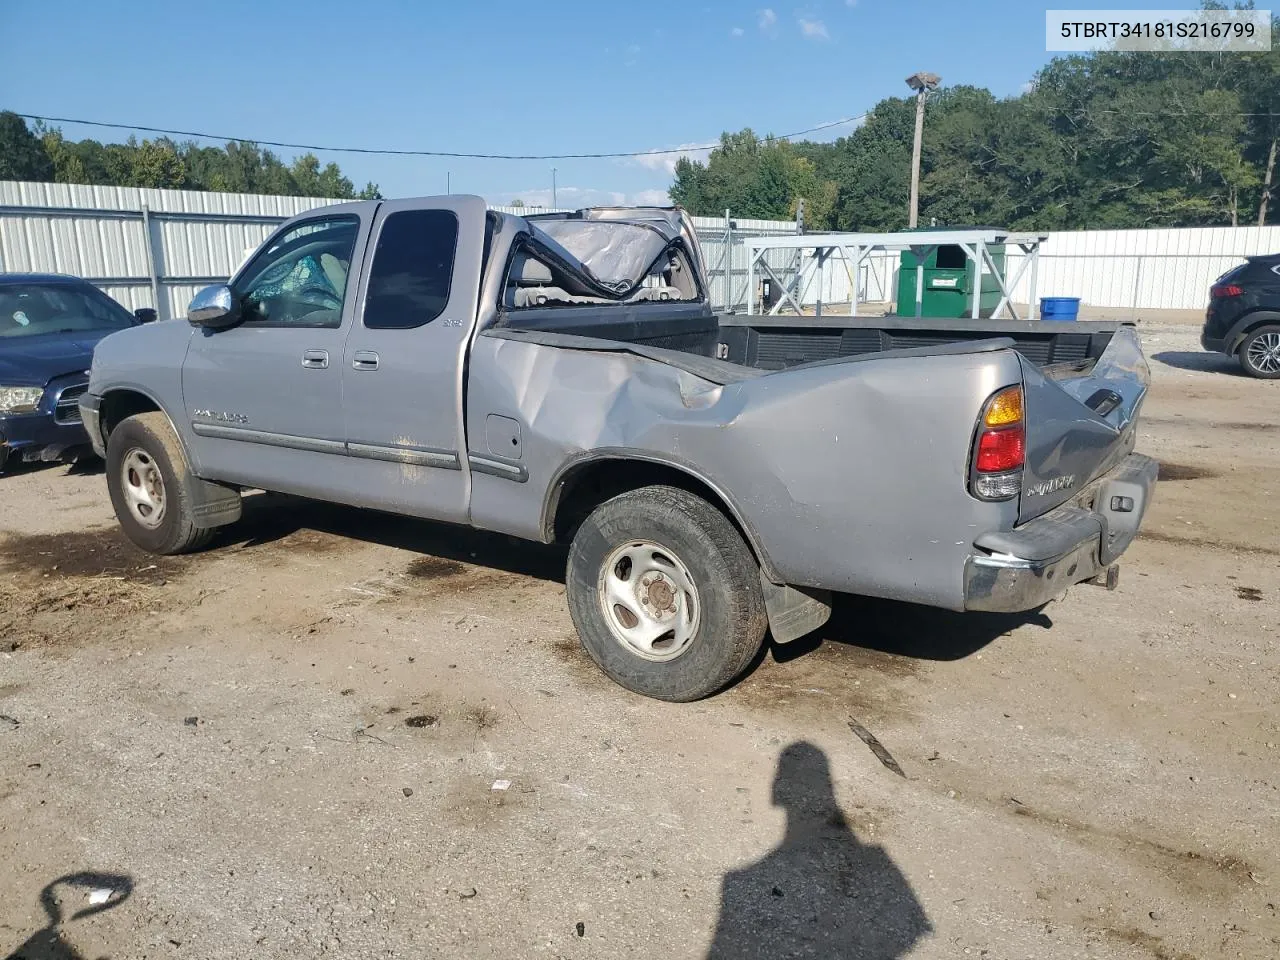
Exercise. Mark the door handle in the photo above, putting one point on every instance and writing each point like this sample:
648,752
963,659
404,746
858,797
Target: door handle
364,360
315,359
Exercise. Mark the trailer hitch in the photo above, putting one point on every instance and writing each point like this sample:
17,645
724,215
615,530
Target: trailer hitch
1109,578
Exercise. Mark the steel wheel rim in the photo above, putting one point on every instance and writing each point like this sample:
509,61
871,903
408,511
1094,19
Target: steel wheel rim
649,600
143,488
1264,353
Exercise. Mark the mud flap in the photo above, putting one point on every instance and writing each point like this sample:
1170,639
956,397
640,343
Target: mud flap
794,611
214,505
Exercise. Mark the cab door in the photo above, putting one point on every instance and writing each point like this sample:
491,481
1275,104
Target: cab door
264,397
402,367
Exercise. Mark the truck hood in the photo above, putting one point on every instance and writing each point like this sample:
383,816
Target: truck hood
34,361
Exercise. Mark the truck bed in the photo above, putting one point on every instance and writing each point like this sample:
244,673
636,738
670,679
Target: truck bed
775,343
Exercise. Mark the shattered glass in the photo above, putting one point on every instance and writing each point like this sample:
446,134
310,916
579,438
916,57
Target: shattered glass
304,282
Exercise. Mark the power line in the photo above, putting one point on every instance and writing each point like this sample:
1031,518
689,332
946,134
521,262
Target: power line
693,148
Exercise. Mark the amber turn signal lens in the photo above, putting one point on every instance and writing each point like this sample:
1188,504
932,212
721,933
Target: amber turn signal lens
1005,408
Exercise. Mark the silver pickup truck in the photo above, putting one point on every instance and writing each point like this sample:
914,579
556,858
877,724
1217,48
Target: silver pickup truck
562,378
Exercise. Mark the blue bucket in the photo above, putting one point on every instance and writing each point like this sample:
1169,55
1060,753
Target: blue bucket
1059,308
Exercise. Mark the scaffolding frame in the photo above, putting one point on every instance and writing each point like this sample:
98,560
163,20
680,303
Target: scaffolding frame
853,248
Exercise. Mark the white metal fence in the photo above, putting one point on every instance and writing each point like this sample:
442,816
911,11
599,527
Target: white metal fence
1122,271
158,247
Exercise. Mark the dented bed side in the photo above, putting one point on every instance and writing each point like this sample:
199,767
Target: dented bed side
869,497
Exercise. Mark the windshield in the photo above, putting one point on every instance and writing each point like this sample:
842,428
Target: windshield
29,310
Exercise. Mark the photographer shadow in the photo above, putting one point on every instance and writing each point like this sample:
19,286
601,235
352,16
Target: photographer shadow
822,893
48,943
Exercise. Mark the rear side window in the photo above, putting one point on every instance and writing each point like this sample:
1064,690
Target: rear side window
412,269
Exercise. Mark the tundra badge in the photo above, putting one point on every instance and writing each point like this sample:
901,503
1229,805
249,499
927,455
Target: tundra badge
1050,486
220,416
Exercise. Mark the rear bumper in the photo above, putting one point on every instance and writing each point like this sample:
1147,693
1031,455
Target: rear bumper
1214,344
1027,567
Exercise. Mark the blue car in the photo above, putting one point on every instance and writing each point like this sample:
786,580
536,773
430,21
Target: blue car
49,325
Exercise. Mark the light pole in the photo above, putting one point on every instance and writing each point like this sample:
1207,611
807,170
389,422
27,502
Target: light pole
921,83
554,205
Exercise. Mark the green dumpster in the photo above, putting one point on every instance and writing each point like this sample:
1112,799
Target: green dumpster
948,283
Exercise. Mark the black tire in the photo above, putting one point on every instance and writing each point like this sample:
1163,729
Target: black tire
152,437
1257,342
731,619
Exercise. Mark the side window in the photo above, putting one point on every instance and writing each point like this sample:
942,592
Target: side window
412,269
300,279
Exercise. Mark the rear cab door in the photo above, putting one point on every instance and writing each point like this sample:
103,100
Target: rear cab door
404,358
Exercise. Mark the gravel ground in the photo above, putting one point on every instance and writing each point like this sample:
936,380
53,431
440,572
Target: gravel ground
346,734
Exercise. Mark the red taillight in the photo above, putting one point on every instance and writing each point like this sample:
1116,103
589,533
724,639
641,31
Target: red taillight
1000,450
1001,445
1225,290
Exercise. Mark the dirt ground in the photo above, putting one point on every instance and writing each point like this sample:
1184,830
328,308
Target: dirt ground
294,745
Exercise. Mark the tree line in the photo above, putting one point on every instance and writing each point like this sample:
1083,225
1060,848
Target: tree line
43,154
1106,140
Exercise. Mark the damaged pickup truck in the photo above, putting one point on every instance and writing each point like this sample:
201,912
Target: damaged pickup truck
562,378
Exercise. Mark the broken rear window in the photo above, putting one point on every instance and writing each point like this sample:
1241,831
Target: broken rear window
618,255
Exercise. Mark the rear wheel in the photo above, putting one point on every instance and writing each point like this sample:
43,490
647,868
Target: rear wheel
1260,353
665,594
151,486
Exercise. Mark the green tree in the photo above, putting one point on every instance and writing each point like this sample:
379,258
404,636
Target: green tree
1108,139
22,155
237,167
312,180
755,178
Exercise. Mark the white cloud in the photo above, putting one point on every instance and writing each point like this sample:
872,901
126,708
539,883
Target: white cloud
666,162
575,197
650,198
813,29
766,19
736,32
1027,87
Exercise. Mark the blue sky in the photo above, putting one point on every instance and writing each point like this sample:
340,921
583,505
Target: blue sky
500,76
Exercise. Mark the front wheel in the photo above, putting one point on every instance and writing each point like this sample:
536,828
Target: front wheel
1260,353
665,594
151,486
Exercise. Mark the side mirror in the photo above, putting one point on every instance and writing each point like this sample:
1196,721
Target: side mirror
146,315
214,307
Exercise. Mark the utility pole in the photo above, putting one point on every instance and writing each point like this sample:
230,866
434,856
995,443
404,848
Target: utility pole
921,83
554,205
448,182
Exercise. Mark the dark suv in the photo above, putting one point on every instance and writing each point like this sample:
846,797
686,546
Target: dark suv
49,325
1243,319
